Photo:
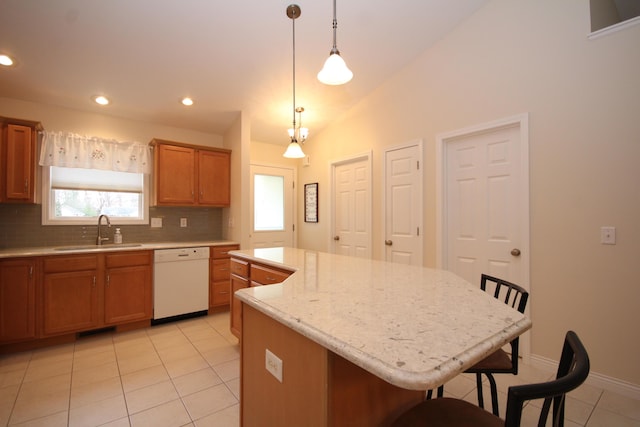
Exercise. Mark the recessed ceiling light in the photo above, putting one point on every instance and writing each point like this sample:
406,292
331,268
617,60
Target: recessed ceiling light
6,60
102,100
187,101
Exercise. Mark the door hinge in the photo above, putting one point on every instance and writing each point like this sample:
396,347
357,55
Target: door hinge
418,164
418,230
293,227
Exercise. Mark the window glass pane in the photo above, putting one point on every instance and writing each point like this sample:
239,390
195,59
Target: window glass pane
88,204
268,194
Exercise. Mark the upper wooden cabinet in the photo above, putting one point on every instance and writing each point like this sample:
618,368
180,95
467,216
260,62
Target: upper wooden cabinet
190,175
18,160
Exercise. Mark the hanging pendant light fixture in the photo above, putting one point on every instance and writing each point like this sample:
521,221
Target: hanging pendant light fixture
294,151
300,133
335,70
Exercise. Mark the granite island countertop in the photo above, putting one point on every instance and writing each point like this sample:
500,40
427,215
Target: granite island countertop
110,247
414,327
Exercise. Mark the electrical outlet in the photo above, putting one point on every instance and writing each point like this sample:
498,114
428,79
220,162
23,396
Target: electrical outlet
183,222
273,364
608,235
156,222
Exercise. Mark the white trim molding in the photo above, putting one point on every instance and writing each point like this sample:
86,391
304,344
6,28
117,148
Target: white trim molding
614,28
595,379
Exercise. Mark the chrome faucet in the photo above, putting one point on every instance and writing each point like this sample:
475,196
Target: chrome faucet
101,239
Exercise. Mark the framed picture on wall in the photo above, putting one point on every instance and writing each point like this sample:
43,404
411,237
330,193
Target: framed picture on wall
311,202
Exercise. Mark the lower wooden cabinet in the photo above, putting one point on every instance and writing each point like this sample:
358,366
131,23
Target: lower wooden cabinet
245,274
128,292
84,292
239,280
17,299
219,275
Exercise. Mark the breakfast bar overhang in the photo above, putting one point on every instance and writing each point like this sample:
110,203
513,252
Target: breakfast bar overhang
359,340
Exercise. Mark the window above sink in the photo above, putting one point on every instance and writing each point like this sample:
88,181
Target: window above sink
76,196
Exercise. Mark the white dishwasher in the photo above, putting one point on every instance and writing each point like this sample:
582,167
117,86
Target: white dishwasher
181,282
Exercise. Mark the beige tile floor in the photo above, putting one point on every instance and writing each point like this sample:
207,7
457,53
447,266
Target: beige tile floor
187,374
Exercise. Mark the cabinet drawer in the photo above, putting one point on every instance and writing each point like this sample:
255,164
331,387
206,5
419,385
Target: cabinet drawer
221,293
218,252
220,270
129,259
266,275
70,263
240,268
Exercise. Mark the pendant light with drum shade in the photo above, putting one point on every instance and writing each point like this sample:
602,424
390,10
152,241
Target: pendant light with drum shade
335,71
294,151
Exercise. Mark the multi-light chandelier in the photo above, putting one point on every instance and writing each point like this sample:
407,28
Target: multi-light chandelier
294,151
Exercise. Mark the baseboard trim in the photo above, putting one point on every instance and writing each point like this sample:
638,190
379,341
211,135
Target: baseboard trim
595,379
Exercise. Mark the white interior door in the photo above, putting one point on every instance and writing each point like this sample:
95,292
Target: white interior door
351,214
403,204
272,206
485,203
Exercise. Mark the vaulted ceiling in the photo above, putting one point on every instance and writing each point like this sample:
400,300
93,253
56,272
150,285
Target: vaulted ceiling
228,56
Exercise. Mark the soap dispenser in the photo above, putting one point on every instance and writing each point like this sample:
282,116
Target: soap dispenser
117,236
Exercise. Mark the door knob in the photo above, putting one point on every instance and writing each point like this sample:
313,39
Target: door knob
515,252
336,237
388,242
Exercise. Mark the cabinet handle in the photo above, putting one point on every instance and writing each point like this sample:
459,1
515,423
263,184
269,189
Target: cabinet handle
108,279
26,184
223,269
223,292
94,282
30,271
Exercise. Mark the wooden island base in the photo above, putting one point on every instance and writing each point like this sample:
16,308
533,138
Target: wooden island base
319,388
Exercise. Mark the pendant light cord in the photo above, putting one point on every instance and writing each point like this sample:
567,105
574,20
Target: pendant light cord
335,27
293,18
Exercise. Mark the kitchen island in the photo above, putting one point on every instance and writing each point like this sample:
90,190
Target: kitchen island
359,340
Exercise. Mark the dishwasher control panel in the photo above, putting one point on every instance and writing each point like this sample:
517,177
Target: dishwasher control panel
181,254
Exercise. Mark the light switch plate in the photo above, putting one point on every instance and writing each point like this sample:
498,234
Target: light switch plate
183,222
273,364
156,222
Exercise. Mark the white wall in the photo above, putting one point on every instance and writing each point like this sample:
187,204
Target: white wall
583,97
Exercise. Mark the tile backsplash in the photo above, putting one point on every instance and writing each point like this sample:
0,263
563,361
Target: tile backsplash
21,227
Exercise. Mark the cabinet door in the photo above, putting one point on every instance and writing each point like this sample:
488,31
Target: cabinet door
70,302
237,282
17,300
214,178
20,167
175,175
127,294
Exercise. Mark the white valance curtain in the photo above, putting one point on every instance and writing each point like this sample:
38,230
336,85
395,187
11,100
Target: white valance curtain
71,150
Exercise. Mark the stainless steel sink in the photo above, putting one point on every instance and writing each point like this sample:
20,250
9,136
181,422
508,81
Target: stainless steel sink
93,247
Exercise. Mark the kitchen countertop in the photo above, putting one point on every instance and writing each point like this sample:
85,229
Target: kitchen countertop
81,249
413,327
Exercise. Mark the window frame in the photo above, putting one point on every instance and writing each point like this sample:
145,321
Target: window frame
48,208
